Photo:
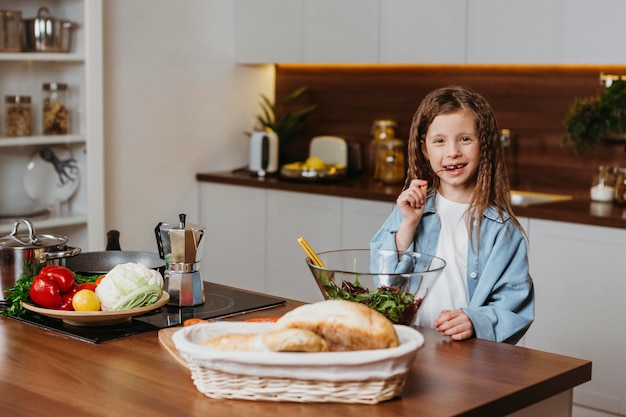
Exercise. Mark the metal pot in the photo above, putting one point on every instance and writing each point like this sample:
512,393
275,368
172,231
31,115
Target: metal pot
21,255
46,34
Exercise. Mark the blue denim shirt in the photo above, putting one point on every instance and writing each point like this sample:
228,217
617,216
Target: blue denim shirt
501,294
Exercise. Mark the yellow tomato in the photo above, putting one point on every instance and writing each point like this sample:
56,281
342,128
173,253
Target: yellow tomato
86,300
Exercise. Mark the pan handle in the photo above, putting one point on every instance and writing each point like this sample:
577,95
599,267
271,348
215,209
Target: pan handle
113,240
157,234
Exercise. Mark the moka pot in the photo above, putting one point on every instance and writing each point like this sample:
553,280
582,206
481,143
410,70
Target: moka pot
181,245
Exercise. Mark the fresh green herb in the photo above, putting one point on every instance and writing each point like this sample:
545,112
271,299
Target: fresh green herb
17,294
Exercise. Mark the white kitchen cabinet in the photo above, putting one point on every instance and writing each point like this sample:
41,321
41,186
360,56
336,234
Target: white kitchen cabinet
510,31
578,271
252,235
21,73
235,249
306,31
361,219
594,31
290,215
268,31
423,31
343,31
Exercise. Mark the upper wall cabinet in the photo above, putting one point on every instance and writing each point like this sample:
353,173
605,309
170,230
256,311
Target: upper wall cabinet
595,31
268,31
306,31
422,31
510,31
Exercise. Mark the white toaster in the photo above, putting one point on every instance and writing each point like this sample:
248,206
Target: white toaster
333,150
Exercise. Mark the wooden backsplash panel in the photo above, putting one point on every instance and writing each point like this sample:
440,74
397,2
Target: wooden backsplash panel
531,101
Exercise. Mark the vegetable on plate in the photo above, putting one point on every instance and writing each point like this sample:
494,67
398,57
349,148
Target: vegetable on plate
53,288
129,285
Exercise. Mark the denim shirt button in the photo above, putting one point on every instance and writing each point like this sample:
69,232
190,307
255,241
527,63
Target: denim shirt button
473,275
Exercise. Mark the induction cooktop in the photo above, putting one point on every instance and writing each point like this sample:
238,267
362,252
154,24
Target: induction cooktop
219,302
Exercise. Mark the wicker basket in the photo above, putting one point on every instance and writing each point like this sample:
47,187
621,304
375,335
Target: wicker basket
364,377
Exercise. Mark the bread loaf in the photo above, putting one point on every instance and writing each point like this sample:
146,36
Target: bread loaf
344,325
285,340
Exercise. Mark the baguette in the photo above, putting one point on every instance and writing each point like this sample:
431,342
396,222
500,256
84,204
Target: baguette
286,340
344,325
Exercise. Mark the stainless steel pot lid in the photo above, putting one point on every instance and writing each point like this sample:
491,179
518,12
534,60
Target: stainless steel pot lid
15,240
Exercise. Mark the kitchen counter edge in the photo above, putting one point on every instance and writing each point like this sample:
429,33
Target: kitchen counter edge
578,210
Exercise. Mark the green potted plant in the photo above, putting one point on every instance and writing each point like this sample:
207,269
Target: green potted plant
591,120
283,118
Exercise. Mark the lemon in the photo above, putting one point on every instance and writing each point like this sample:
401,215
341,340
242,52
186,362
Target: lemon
314,163
86,300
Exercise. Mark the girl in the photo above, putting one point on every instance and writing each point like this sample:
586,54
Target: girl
464,217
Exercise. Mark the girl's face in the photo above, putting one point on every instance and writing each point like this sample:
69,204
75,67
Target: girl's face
452,144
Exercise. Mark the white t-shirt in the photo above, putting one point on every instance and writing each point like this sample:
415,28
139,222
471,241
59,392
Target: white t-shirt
450,290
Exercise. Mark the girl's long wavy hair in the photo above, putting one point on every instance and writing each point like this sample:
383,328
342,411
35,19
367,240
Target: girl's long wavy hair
492,181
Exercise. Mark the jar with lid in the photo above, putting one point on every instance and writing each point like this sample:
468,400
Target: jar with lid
10,30
603,185
383,130
620,186
390,161
56,116
18,116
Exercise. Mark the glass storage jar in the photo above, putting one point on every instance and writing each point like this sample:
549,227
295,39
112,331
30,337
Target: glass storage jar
603,185
382,130
10,31
18,116
390,161
56,115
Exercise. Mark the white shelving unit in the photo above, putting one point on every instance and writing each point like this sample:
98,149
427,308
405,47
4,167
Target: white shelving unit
81,219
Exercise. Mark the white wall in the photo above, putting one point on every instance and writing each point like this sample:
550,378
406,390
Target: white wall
175,105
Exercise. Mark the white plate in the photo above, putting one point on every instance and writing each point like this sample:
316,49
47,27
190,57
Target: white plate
54,179
96,318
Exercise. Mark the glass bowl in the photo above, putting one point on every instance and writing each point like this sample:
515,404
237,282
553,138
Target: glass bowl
392,282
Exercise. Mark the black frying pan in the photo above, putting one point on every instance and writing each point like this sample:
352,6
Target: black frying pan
92,263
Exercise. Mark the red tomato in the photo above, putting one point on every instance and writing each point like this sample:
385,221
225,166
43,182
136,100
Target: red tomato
87,286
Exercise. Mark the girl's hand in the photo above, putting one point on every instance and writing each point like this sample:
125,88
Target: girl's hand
412,200
454,323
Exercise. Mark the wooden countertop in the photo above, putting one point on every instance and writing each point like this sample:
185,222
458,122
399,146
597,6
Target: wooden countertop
44,372
578,210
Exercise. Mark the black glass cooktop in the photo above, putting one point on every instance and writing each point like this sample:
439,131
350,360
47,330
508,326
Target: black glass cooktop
220,302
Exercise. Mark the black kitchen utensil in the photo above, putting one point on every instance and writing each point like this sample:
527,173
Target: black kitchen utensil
92,263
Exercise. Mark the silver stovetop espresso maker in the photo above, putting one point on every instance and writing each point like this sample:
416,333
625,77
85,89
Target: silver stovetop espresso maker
180,245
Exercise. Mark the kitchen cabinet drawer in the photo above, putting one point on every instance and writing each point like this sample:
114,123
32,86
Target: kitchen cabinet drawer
578,273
